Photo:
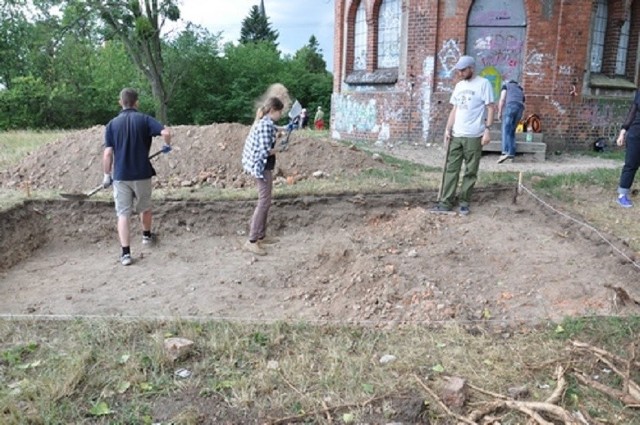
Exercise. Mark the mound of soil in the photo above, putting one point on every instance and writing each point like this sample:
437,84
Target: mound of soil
202,155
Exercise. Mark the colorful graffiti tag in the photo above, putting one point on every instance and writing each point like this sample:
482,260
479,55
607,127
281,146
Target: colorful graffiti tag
351,115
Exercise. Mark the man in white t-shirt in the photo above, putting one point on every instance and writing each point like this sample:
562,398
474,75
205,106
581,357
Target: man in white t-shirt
466,132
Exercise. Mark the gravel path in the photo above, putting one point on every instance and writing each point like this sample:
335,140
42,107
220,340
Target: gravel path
433,155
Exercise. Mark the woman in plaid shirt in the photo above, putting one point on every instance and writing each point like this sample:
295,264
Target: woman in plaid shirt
259,160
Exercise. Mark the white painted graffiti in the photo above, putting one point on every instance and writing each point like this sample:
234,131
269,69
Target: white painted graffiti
427,88
449,55
351,115
558,107
565,70
533,64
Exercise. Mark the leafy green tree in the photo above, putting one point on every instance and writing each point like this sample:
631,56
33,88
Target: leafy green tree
138,25
25,105
311,56
256,28
250,70
193,57
14,41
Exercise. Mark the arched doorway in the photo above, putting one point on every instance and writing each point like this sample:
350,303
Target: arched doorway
496,31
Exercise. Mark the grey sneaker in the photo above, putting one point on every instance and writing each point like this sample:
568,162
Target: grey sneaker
505,157
149,240
125,260
268,240
254,248
464,210
441,209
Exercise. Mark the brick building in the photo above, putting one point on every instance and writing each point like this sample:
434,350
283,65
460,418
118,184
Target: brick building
393,64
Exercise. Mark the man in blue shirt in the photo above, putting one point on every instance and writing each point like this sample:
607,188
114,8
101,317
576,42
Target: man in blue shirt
127,167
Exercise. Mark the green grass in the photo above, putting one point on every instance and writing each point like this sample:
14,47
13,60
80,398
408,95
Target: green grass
15,145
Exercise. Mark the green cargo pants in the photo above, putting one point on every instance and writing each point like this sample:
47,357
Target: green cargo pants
469,150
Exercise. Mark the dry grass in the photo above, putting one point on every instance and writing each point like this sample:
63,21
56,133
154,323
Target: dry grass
15,145
280,370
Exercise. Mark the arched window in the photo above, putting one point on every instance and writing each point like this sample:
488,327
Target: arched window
360,39
598,36
623,49
389,16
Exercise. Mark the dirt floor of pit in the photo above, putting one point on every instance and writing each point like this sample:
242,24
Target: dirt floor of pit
361,259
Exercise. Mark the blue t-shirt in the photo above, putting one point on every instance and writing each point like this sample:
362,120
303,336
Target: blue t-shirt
515,93
130,135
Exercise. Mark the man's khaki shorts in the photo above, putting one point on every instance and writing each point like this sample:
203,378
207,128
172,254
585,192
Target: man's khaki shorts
132,196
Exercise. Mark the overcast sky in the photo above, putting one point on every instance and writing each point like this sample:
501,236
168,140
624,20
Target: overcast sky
295,21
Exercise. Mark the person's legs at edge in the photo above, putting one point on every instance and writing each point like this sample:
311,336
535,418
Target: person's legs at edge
517,116
513,114
452,172
123,197
472,151
142,203
627,176
258,225
505,130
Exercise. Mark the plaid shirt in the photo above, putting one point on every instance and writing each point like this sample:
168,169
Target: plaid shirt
260,141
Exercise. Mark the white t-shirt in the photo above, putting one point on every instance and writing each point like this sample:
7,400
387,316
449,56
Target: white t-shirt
470,98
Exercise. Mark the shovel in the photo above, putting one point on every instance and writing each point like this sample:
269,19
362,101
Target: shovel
81,196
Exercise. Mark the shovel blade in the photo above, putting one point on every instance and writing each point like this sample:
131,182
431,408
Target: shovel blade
80,196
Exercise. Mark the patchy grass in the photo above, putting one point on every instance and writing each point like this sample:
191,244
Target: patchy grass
116,371
15,145
591,198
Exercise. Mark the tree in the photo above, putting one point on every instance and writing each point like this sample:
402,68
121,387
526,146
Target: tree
311,56
193,57
138,24
14,42
256,27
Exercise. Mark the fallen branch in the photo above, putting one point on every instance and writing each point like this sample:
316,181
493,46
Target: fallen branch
561,386
442,405
625,398
597,350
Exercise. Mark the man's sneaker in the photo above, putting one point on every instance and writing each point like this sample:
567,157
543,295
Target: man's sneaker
254,248
126,259
624,201
268,240
503,158
464,210
149,240
441,209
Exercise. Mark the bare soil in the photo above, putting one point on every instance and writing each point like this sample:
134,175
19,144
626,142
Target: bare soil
378,259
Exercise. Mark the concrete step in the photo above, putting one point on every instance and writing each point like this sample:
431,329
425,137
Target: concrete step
536,147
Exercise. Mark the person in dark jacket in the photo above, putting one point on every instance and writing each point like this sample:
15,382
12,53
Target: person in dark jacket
629,135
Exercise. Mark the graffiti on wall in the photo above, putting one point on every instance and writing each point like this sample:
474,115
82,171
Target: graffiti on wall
602,115
428,67
351,115
558,107
547,8
449,55
500,48
534,64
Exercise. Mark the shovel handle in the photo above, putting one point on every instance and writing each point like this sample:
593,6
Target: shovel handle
155,154
94,191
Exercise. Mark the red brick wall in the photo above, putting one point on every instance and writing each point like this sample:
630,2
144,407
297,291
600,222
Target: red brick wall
555,73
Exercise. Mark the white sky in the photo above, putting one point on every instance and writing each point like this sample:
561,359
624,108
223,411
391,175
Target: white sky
295,21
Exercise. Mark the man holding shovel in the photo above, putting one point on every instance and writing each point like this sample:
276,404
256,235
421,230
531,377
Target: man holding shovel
127,167
466,132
